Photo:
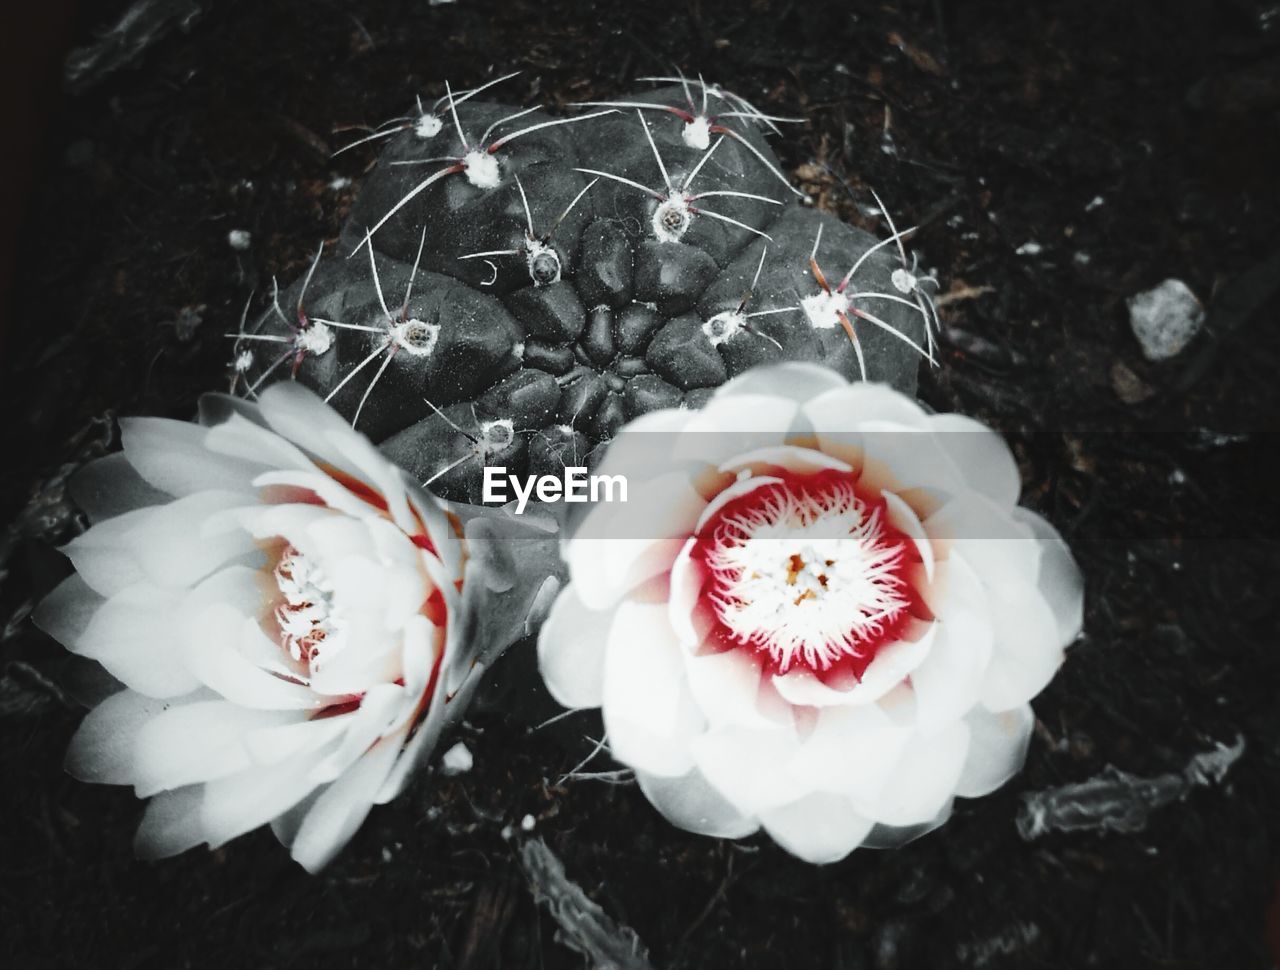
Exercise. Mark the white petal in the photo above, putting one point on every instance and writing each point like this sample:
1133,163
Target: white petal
1059,581
241,802
571,650
274,744
689,803
102,750
949,681
997,749
251,444
172,456
649,713
851,751
171,824
792,458
136,636
818,828
1028,648
298,415
734,425
195,742
66,612
998,548
101,555
848,408
110,486
924,780
373,719
749,767
342,807
981,455
896,836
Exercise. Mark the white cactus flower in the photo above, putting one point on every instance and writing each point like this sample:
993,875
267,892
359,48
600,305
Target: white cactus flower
293,623
821,613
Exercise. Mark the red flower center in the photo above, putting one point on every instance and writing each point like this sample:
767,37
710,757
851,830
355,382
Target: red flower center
808,572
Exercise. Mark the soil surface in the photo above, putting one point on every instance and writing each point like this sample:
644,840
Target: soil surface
1056,162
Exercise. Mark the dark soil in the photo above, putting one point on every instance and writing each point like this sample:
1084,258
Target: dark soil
990,125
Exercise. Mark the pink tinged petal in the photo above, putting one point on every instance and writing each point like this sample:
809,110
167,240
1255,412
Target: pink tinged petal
727,686
981,455
171,824
331,492
690,616
891,666
172,456
690,803
903,518
379,710
375,471
649,713
749,767
819,828
571,651
218,641
851,751
795,381
621,545
341,809
299,416
1060,581
110,486
998,548
997,749
739,488
849,408
1028,646
136,636
102,750
195,742
924,781
949,681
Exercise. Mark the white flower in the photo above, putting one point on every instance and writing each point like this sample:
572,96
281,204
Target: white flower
822,612
291,620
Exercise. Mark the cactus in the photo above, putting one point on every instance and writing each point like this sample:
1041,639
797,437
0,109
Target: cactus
511,288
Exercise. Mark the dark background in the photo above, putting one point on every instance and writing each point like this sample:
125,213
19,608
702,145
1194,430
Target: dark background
1004,121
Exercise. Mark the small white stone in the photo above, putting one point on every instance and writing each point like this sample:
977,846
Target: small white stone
457,760
239,239
1095,203
1031,248
1165,319
527,823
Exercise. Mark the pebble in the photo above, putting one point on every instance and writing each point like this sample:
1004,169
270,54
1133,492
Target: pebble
457,760
239,239
1165,319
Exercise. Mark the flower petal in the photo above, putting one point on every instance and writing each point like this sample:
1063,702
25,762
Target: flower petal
997,749
1028,649
981,455
136,635
110,486
852,750
339,811
749,767
195,742
1059,580
794,380
689,802
819,828
171,456
102,750
571,650
892,665
924,779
